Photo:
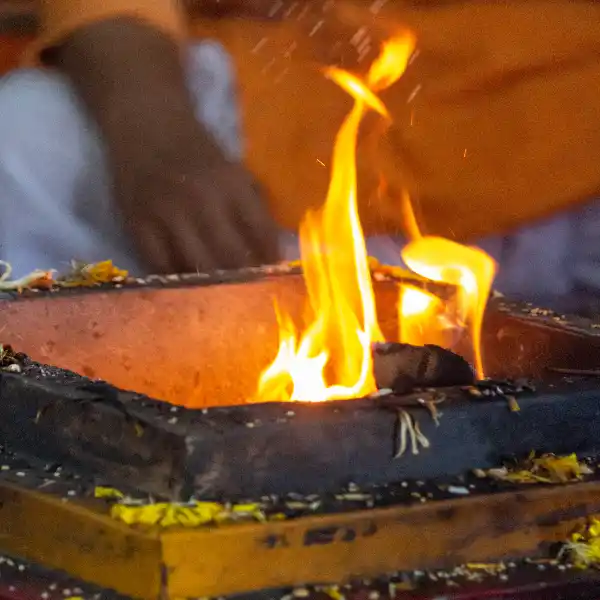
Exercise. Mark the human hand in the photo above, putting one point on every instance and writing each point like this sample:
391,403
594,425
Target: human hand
186,206
190,209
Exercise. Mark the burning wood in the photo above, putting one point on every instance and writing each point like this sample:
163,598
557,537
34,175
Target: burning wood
403,368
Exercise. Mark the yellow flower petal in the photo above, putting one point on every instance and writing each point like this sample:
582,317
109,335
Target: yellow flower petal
107,492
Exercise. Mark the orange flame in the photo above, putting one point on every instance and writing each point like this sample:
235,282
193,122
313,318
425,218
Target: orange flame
332,359
423,318
471,270
420,317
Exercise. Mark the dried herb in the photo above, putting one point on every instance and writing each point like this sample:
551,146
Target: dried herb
547,468
81,275
90,275
513,405
333,591
190,514
108,492
489,568
408,429
38,279
431,406
583,548
9,359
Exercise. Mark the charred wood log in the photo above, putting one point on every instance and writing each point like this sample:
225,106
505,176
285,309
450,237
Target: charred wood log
246,451
402,367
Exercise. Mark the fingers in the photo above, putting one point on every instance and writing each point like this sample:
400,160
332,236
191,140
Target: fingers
256,225
213,242
233,220
153,247
215,219
191,248
229,242
202,235
173,246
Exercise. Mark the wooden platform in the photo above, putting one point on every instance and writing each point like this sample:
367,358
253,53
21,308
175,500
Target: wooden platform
80,538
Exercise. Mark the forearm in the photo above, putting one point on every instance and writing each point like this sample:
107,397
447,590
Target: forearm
130,75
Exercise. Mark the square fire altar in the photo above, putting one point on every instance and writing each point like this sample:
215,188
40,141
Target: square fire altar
308,492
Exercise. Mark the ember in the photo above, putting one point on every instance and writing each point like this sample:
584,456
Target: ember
332,358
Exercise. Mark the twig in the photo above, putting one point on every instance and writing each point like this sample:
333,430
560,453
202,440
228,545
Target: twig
35,279
432,408
580,372
409,427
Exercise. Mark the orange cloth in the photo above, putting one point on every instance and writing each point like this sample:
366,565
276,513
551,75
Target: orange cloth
496,122
59,17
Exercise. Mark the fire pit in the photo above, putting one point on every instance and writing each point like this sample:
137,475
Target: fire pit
190,343
197,348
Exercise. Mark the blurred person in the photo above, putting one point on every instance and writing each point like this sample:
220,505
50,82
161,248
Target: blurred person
127,144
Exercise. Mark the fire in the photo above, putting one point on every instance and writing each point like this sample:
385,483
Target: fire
471,270
420,315
332,357
424,318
